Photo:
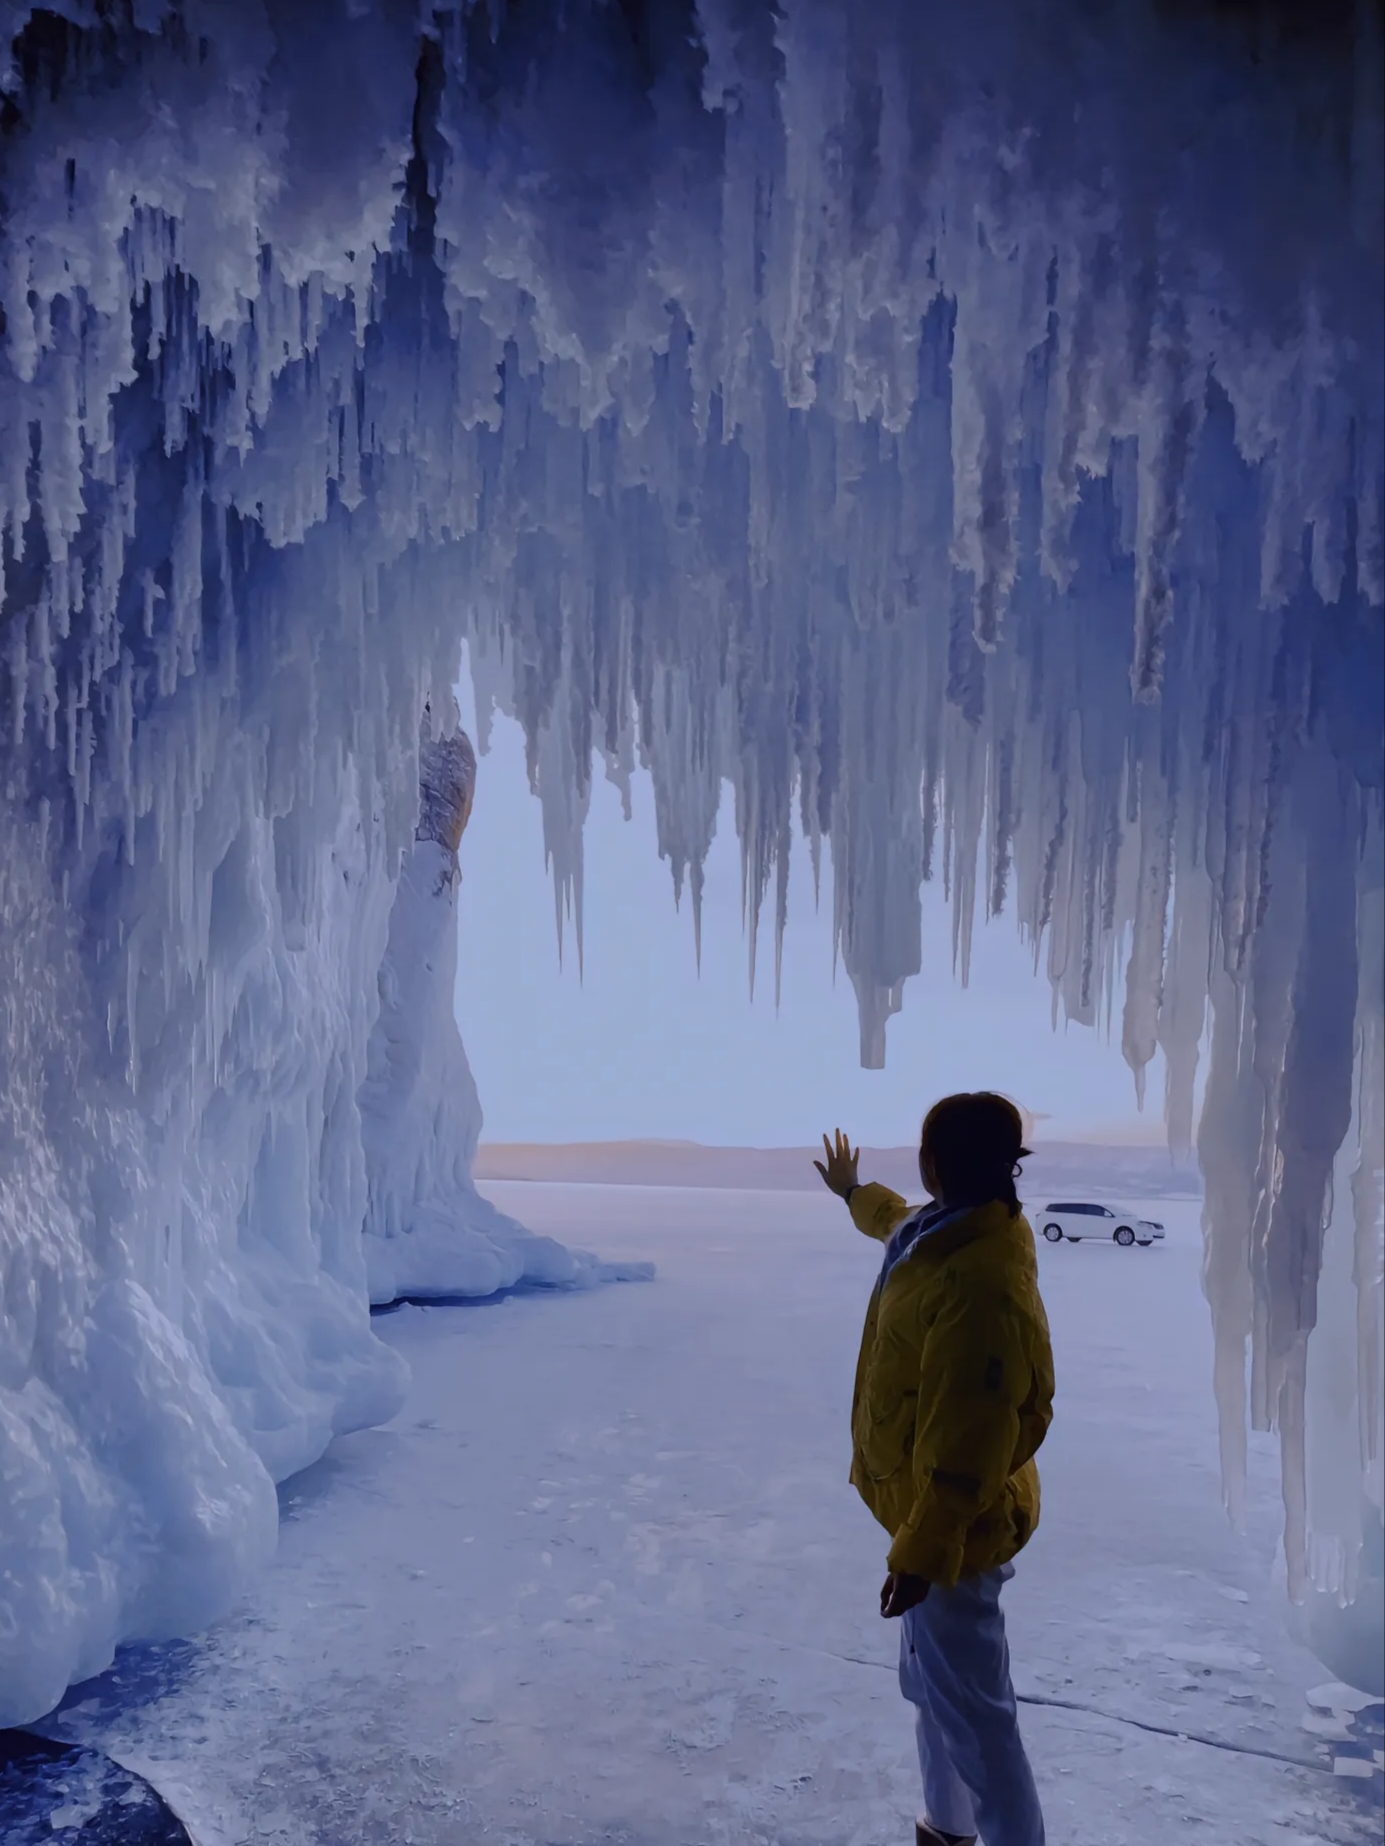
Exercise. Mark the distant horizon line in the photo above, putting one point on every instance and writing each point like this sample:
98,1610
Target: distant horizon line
1093,1140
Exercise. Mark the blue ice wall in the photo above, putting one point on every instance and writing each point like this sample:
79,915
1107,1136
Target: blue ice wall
960,427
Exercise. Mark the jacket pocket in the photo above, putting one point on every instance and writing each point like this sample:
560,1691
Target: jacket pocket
897,1415
884,1437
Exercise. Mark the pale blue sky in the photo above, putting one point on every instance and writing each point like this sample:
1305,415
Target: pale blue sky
642,1047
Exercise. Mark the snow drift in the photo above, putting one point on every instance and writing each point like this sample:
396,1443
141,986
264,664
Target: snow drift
963,426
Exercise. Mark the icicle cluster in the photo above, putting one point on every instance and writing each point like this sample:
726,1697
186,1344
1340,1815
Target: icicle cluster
960,428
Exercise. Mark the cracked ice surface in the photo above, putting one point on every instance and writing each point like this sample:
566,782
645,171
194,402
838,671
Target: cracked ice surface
962,426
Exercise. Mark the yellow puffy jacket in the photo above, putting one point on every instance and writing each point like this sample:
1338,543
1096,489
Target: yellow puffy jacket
954,1390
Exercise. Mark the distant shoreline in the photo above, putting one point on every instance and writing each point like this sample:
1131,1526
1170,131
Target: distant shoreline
1055,1166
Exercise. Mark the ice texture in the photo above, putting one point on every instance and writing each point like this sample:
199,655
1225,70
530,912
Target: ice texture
428,1231
959,429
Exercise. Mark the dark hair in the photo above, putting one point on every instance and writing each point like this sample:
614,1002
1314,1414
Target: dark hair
974,1143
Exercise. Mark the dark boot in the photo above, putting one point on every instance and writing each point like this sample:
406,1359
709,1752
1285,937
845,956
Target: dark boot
924,1835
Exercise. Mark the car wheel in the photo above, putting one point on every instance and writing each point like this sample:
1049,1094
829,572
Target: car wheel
1071,1238
1053,1233
1125,1237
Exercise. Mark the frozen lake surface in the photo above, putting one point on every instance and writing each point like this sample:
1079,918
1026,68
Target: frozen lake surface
603,1579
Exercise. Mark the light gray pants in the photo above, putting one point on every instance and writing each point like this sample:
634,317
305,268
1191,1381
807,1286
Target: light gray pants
954,1665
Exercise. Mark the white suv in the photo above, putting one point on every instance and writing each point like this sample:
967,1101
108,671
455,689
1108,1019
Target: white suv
1078,1221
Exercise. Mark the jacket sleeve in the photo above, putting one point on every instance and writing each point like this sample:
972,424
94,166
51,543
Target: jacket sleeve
975,1377
875,1211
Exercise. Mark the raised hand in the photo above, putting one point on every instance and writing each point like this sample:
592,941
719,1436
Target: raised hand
839,1170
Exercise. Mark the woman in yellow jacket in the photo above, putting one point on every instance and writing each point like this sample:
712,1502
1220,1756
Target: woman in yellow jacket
954,1393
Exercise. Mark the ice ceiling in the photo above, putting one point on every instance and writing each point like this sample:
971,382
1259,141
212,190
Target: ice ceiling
960,427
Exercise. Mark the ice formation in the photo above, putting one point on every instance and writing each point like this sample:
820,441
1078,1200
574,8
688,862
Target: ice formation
428,1231
959,426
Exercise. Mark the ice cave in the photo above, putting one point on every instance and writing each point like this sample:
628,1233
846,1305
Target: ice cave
958,429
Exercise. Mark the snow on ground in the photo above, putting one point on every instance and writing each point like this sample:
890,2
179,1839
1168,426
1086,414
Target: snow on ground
603,1580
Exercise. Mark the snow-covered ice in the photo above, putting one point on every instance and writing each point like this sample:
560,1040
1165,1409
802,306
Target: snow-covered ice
603,1580
427,1230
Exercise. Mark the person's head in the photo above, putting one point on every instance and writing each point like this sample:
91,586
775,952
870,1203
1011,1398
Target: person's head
970,1149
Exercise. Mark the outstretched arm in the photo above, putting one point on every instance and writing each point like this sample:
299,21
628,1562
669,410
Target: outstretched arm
875,1210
